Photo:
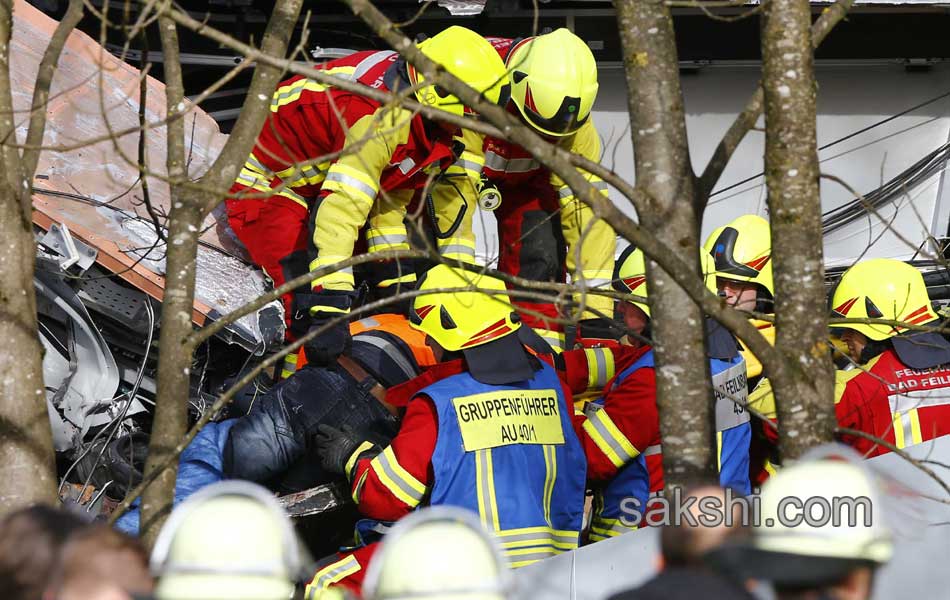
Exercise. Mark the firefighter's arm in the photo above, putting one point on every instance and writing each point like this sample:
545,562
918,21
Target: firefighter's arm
391,484
586,370
350,189
626,425
386,230
591,242
455,199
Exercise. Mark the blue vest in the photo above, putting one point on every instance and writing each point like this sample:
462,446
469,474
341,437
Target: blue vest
510,454
619,505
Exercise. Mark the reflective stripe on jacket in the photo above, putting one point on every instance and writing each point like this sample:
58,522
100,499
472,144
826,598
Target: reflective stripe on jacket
392,151
620,504
509,454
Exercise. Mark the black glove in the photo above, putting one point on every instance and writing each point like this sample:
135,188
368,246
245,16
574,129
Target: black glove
323,308
323,349
334,447
600,329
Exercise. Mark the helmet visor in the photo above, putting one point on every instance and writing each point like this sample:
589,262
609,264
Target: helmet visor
564,122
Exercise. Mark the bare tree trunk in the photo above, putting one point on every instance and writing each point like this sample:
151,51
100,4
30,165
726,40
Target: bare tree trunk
664,172
27,460
171,412
188,209
805,400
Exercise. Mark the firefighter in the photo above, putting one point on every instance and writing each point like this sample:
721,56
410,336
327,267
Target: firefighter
742,251
229,540
297,209
438,553
492,435
553,85
620,431
899,390
808,558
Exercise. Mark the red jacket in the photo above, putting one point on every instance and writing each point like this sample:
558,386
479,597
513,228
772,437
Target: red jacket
357,148
890,400
631,407
884,398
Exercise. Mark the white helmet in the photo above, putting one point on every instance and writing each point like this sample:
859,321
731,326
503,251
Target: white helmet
438,553
819,519
230,540
824,477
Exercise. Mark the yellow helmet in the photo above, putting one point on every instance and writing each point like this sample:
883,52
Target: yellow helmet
469,57
462,320
742,251
553,81
630,274
882,288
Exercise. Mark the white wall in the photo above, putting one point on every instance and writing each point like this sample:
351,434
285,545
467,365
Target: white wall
849,99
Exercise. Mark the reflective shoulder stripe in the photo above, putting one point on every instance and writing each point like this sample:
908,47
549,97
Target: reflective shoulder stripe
365,65
287,94
600,367
397,480
522,165
565,192
390,349
653,450
495,161
368,322
332,573
608,438
554,338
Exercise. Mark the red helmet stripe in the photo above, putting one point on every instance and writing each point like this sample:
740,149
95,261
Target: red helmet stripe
845,306
633,283
505,329
529,99
920,311
494,325
422,311
759,263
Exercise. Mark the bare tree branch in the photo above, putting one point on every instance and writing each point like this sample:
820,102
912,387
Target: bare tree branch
805,407
746,120
41,90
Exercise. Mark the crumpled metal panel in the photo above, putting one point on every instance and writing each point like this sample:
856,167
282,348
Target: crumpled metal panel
95,188
462,7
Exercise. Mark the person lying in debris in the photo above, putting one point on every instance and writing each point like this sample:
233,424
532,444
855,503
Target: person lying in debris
271,444
488,429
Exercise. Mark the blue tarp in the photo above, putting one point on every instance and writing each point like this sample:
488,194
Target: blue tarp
199,465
